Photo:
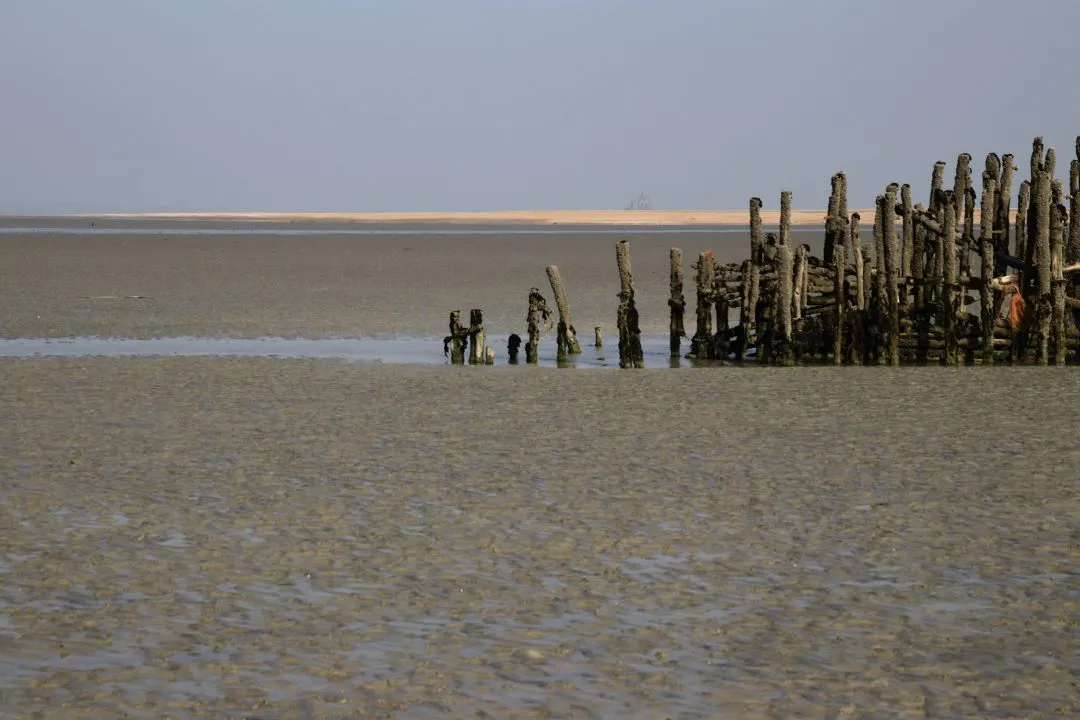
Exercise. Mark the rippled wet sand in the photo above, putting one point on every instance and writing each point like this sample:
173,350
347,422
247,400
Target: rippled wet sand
264,538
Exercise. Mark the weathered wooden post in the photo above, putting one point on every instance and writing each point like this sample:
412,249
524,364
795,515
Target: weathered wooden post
1021,250
457,339
858,323
753,290
887,210
476,337
798,297
1058,220
701,343
630,353
1072,252
907,211
782,346
948,266
677,302
869,330
785,217
537,320
1032,231
489,355
836,218
986,251
1042,253
857,259
598,337
566,334
1001,220
839,301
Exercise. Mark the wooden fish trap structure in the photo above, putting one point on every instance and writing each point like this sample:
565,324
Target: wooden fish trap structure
962,279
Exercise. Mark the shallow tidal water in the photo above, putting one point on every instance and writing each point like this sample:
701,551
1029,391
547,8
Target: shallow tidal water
309,538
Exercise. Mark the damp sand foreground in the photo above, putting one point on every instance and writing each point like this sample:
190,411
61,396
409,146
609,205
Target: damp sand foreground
273,538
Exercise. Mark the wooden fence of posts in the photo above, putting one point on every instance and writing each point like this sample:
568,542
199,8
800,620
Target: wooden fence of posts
931,288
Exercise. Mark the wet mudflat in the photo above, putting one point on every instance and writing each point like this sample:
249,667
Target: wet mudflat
324,286
274,538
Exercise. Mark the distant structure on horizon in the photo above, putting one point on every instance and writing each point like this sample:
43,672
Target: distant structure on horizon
641,202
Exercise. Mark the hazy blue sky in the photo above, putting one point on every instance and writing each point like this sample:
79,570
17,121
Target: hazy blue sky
504,104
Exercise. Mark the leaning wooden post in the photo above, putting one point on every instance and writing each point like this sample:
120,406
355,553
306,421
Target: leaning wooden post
798,298
986,250
456,339
1042,254
783,350
948,267
567,335
887,209
701,343
677,302
537,320
1058,220
630,353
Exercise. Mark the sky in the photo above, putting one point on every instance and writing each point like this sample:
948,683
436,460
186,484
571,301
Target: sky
471,105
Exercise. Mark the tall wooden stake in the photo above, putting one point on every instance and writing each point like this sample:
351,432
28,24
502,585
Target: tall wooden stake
676,302
630,353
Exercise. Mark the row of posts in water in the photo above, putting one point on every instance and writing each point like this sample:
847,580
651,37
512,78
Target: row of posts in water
905,298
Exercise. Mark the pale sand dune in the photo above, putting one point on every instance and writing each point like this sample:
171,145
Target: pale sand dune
538,217
668,218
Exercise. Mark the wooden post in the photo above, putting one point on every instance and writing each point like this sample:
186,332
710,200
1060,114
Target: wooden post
476,337
538,320
753,291
630,353
783,350
598,339
1058,220
798,299
858,321
489,355
567,335
1023,209
701,343
1030,279
867,314
1042,270
1072,252
457,339
948,266
836,218
986,251
937,184
839,301
887,209
857,259
1001,219
785,217
677,302
908,213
